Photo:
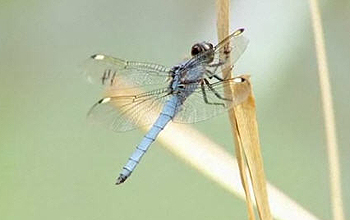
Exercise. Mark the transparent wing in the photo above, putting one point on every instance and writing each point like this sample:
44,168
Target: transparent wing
208,100
126,112
224,55
233,45
119,74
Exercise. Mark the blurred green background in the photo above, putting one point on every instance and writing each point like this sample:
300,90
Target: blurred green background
54,165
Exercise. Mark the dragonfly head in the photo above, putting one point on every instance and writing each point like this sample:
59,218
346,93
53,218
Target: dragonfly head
204,47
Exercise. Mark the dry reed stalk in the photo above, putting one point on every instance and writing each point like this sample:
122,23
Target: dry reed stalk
246,136
328,113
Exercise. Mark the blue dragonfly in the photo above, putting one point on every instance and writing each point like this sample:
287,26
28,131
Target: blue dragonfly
192,91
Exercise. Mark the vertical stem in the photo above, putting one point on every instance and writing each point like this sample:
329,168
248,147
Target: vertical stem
328,113
223,24
245,131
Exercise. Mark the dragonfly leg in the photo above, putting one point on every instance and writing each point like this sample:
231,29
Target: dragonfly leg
217,64
214,91
205,98
211,75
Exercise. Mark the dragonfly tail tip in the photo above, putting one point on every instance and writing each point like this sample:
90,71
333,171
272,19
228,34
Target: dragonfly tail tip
121,179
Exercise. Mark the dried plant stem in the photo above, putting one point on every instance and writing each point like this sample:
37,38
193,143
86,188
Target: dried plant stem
328,113
222,7
246,136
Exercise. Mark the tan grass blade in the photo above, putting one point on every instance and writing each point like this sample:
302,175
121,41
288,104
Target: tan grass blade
328,113
246,135
222,8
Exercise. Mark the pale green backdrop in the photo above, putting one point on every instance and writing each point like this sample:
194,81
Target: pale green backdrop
54,165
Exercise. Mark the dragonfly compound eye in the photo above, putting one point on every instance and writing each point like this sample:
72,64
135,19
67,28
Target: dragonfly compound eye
201,47
196,49
207,46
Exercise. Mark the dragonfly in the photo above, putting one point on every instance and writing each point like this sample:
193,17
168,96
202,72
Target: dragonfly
141,93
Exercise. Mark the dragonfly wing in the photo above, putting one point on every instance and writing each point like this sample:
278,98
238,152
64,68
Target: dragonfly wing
223,55
232,46
126,112
209,100
119,74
